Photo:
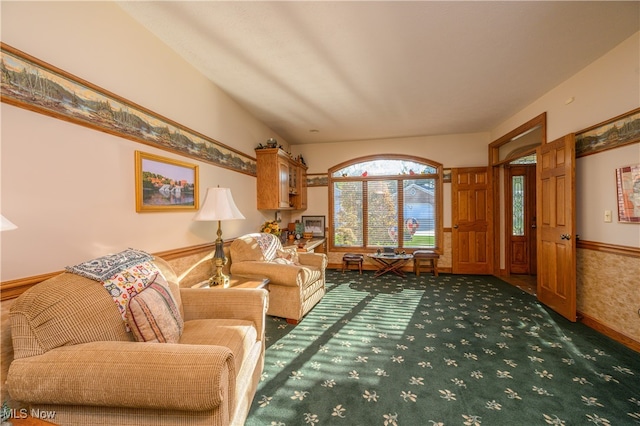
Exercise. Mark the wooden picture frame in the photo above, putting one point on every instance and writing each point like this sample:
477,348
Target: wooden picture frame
616,132
164,184
51,91
628,190
315,225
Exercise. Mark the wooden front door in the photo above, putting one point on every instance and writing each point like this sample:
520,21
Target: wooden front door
471,238
556,226
520,206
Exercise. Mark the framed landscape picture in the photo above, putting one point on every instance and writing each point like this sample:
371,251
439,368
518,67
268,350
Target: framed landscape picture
164,184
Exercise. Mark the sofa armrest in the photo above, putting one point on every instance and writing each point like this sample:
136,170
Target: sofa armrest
127,374
278,273
231,303
317,260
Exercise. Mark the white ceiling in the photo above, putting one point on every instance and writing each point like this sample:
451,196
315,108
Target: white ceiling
355,70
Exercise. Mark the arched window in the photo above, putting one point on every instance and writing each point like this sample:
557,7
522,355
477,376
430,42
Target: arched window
385,201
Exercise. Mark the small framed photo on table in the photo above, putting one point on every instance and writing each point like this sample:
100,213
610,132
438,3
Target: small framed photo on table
314,224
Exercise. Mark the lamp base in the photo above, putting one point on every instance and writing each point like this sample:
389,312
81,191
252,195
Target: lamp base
219,279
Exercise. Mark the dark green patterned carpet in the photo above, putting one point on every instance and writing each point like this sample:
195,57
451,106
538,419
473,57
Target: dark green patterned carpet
452,350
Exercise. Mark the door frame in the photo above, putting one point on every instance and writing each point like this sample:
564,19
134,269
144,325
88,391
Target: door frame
497,171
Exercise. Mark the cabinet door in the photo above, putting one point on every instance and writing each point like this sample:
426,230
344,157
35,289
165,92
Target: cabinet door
302,188
283,182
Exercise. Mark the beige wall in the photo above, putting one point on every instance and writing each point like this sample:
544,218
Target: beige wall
608,87
70,189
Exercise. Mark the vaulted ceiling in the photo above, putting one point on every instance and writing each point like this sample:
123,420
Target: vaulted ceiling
325,71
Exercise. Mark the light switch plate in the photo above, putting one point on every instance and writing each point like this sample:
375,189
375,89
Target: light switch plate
607,215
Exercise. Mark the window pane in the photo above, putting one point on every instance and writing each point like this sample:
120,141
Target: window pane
419,213
382,213
517,195
385,168
347,214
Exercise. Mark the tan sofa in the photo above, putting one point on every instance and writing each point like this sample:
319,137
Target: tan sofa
74,356
295,286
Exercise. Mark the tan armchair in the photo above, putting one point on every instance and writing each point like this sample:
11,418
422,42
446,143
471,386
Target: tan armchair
74,357
295,286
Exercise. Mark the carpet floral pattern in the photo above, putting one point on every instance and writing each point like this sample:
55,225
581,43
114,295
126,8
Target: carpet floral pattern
448,350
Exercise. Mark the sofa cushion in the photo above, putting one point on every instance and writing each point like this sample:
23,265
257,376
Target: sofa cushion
288,254
238,335
245,249
153,315
255,247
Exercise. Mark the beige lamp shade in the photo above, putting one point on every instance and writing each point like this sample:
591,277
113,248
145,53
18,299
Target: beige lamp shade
218,205
6,224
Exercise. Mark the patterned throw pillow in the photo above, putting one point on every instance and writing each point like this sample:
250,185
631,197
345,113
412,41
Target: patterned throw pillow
153,315
290,255
131,281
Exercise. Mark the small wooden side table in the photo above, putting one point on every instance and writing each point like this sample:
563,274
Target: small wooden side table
238,281
429,257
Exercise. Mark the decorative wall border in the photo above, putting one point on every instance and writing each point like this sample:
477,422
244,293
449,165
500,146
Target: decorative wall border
32,84
616,132
317,179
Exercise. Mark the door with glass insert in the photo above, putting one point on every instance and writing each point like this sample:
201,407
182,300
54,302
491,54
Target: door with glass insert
521,220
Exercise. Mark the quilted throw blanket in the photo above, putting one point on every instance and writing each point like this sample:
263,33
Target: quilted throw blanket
123,275
269,244
105,267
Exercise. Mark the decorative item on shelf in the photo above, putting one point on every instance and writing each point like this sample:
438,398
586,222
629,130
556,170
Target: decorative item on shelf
271,227
219,205
307,235
272,143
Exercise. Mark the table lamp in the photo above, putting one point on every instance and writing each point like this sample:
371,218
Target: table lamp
6,224
219,205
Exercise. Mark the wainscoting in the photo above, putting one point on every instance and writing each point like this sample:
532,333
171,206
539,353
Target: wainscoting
608,290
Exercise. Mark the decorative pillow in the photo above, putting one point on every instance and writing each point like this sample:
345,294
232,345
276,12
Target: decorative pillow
105,267
153,315
290,255
131,281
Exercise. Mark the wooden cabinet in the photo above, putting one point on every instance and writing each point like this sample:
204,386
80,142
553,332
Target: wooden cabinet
281,182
